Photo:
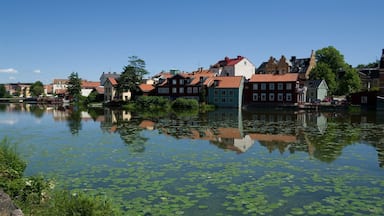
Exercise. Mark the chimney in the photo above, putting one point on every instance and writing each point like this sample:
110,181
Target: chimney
239,57
226,59
216,82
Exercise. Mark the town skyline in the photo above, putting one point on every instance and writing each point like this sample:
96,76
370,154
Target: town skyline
42,40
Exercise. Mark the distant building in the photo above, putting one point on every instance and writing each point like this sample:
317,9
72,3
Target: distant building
239,66
105,76
302,66
226,91
87,87
274,89
316,90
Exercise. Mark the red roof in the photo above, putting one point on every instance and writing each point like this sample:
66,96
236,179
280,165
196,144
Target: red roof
228,61
288,77
226,81
100,89
146,87
112,81
89,84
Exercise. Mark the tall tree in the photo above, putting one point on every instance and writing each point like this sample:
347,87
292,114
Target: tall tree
132,76
74,86
37,89
344,80
3,91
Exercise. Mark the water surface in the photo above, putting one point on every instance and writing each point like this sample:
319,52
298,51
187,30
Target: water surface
227,162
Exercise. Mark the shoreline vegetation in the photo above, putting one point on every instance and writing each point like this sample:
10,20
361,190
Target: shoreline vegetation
36,195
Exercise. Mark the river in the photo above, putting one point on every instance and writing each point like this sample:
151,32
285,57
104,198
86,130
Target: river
225,162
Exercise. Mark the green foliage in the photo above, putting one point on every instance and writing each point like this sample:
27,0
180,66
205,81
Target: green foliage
341,77
183,103
11,165
369,65
3,92
74,86
132,76
80,204
152,103
323,71
37,89
207,108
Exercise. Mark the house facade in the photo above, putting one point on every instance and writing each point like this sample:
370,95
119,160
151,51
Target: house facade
239,66
370,78
302,66
381,71
110,89
186,85
316,90
104,76
273,89
226,91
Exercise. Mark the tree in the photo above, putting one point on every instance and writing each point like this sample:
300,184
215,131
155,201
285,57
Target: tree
330,61
74,86
132,76
323,71
3,91
37,89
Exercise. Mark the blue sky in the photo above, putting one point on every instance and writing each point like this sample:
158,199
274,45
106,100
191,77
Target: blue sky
47,39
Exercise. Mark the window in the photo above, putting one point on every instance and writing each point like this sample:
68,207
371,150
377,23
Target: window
174,82
364,99
263,96
181,81
223,100
195,90
223,92
280,97
230,92
271,86
216,100
279,86
289,96
181,90
255,96
263,86
216,92
189,90
255,86
163,90
288,86
174,90
271,97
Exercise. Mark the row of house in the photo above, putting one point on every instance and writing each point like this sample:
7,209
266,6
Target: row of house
230,82
234,82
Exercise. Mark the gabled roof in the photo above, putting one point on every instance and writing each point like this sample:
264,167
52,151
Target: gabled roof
112,80
225,82
60,81
89,84
313,83
228,62
146,87
288,77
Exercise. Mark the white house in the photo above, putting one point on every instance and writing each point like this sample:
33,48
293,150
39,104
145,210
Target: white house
316,90
239,66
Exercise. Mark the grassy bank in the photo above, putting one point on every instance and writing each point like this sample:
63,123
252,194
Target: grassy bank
36,195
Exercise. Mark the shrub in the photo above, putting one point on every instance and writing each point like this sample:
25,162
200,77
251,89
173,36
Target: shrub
152,103
183,103
79,203
11,165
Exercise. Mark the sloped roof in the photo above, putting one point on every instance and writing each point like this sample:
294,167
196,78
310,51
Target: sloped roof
89,84
146,87
112,80
313,83
228,62
288,77
300,65
225,82
60,81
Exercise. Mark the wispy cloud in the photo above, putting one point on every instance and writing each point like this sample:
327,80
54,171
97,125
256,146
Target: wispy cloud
12,78
37,71
8,70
